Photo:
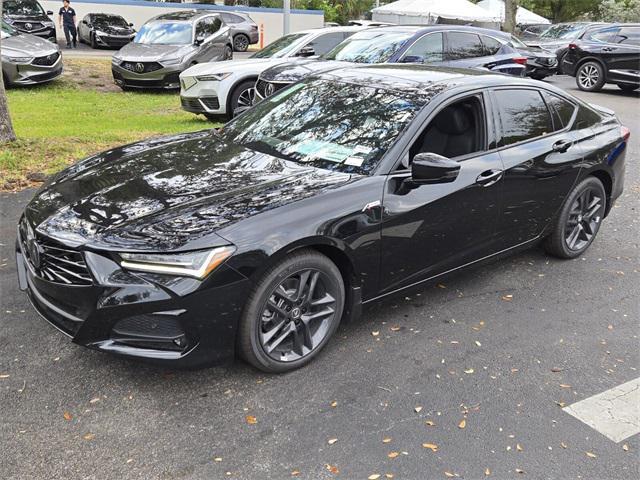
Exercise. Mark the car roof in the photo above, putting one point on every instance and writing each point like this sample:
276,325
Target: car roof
348,28
184,15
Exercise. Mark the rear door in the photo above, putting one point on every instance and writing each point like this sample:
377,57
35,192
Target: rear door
622,55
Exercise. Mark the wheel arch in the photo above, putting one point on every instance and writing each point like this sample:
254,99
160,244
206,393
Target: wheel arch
235,85
607,182
584,60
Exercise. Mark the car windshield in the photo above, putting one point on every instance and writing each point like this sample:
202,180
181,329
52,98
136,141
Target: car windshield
110,21
22,7
369,47
328,124
165,33
563,31
7,30
278,48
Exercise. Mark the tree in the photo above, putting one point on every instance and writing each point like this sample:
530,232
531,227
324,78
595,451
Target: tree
561,10
6,127
627,11
510,9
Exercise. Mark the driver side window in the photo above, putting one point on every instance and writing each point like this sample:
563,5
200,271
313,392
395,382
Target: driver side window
208,26
428,49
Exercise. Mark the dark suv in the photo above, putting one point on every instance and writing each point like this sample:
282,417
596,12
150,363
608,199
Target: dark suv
28,16
607,55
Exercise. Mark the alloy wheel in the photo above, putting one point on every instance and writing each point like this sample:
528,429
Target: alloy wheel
584,219
245,100
297,316
588,76
240,43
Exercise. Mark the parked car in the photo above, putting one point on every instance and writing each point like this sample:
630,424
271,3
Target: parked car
27,59
261,237
607,55
168,44
441,45
558,37
532,32
243,30
220,89
28,16
540,63
105,30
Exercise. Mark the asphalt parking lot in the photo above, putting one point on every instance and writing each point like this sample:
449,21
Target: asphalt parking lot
464,379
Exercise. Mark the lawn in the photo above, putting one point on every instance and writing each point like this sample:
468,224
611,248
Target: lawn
80,114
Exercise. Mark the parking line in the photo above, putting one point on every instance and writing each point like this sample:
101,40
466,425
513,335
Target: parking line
614,413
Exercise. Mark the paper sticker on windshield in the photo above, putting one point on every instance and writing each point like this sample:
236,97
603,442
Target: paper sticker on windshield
286,91
354,161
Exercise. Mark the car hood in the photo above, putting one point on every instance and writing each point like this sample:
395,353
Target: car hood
169,194
114,30
299,69
31,18
28,45
250,65
139,52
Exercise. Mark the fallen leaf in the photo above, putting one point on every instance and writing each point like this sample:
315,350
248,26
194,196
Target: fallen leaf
487,472
332,468
295,473
440,285
217,459
334,404
67,416
564,385
591,455
556,369
625,447
514,370
331,441
393,454
375,333
418,409
519,447
519,470
507,298
469,370
462,424
431,446
478,343
251,420
386,440
388,475
4,375
563,445
449,474
373,476
429,423
88,436
94,400
394,329
560,404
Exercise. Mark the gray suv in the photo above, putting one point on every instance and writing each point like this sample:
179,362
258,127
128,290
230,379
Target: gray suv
168,44
243,30
27,59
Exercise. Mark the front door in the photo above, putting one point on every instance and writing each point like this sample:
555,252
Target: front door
429,229
622,55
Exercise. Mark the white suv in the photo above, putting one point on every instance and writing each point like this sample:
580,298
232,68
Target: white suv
227,88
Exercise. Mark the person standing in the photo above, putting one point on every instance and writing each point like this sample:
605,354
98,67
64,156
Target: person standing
67,21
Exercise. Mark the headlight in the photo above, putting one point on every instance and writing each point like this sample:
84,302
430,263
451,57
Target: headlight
48,24
117,60
213,77
171,61
191,264
9,58
99,33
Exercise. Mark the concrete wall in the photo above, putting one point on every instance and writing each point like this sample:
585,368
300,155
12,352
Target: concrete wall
139,11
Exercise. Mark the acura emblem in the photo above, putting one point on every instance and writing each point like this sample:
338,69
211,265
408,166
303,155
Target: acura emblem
139,67
34,253
28,26
269,89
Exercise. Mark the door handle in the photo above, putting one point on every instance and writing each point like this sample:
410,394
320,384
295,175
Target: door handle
561,146
608,49
489,177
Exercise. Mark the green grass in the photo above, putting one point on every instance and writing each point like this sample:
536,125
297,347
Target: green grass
65,121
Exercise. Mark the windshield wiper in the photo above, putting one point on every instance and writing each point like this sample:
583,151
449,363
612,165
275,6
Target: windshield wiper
263,147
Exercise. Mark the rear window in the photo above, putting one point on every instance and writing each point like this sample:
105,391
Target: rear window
491,45
523,115
562,110
628,36
464,45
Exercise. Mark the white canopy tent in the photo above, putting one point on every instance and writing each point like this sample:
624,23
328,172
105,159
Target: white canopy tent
412,12
523,16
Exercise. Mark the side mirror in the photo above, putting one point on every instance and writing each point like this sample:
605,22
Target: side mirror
428,168
49,12
130,24
306,52
199,40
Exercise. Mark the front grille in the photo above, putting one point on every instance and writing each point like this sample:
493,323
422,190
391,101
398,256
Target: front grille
28,26
141,67
51,260
191,104
211,103
547,61
45,76
266,89
116,42
46,61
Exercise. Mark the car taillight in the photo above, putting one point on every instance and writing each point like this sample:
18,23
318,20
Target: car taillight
254,27
520,60
626,133
572,46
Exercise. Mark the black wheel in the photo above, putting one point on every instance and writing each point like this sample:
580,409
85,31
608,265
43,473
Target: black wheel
242,97
240,42
292,312
93,40
627,88
228,53
579,221
590,77
560,61
538,76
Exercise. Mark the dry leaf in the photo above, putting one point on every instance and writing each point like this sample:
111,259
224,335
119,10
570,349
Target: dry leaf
332,468
431,446
418,409
429,423
94,400
625,447
373,476
591,455
514,370
462,424
563,445
388,475
394,329
217,459
560,404
519,447
88,436
449,474
334,404
386,440
251,420
67,416
4,375
564,385
487,472
507,298
556,369
519,470
295,473
478,343
375,333
331,441
393,454
469,370
440,285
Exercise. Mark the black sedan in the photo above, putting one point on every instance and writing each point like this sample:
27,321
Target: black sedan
105,30
261,237
607,55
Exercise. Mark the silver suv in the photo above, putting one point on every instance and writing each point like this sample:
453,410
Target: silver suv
168,44
243,29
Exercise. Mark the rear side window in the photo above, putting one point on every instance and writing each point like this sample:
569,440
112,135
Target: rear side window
628,36
523,115
427,49
603,36
464,45
491,45
324,43
229,18
208,26
562,110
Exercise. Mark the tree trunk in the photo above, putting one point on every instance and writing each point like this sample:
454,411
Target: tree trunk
6,128
510,9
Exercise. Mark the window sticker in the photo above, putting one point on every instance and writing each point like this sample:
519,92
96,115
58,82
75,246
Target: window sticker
354,161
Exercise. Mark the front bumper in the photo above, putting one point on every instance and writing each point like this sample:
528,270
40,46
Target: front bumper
208,97
177,321
48,33
113,41
29,74
542,67
167,78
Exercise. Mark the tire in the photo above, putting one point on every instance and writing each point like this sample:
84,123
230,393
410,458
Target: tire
537,76
240,42
228,53
628,88
590,77
560,61
579,220
277,332
242,97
